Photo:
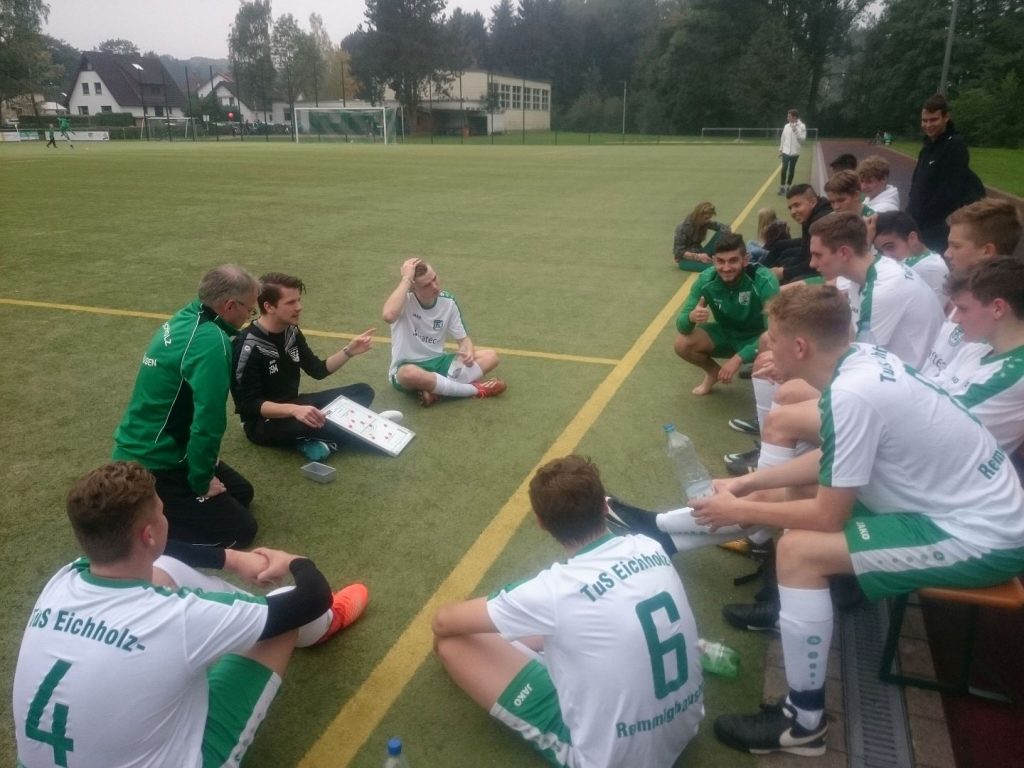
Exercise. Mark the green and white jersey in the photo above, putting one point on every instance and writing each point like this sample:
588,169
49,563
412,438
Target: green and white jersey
952,358
931,268
908,446
112,673
419,332
994,393
620,646
896,310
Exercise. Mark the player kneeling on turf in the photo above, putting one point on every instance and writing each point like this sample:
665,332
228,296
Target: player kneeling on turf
132,657
594,660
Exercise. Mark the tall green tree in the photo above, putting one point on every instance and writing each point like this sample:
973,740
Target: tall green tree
502,52
25,63
250,53
294,54
467,39
402,46
119,46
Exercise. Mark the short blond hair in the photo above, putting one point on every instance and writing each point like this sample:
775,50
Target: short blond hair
819,312
839,229
990,220
873,167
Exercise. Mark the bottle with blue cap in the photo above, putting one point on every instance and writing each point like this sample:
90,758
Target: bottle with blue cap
396,758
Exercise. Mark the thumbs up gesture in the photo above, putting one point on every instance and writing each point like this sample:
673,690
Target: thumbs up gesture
700,313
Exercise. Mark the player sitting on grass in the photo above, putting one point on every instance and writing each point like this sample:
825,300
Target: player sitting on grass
896,237
903,469
132,657
688,247
879,195
421,317
268,357
723,316
594,660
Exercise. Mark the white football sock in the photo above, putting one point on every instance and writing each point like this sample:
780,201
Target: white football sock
774,455
805,623
764,393
314,630
451,388
466,374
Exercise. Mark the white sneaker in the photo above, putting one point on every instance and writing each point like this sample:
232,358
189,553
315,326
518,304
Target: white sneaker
395,416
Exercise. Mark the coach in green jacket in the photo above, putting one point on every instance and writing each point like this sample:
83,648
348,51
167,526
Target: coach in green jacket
723,316
176,417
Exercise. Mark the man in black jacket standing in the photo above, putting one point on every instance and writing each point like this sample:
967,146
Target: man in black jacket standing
943,180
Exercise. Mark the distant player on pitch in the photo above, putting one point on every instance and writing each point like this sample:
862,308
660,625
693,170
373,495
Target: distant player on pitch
421,317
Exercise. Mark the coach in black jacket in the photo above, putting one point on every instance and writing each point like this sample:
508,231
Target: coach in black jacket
943,180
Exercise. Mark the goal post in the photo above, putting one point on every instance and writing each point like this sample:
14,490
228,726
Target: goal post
369,125
749,134
156,128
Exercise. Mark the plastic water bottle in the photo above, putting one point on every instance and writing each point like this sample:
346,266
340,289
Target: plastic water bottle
719,659
395,757
694,478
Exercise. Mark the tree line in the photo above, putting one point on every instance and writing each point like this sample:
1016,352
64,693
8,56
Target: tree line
851,67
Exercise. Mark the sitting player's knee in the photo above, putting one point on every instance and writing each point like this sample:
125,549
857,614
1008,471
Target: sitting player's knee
771,428
684,344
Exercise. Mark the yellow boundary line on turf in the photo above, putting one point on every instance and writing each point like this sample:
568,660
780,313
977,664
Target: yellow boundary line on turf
307,331
363,712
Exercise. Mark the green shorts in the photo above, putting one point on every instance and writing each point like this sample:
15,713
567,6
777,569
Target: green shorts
897,553
726,344
529,706
439,364
241,691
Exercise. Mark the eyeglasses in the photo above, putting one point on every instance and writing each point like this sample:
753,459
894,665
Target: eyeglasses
253,311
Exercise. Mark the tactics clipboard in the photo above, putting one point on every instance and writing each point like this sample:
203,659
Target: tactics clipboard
368,426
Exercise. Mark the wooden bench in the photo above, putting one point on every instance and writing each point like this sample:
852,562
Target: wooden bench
1008,596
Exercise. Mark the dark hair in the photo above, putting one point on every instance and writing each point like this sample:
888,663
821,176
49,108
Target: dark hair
777,230
899,223
821,312
844,183
990,220
732,241
793,112
999,278
845,162
839,229
270,288
936,103
105,506
569,499
801,189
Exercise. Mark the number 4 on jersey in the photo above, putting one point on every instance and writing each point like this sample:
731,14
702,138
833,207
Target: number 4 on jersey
56,737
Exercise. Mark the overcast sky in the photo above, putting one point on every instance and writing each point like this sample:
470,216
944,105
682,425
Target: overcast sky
184,28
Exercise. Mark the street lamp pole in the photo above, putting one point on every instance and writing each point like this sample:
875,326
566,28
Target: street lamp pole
949,50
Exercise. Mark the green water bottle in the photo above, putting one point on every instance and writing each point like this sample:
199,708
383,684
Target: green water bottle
718,658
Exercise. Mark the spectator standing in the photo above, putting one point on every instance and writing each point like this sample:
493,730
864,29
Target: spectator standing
794,133
943,180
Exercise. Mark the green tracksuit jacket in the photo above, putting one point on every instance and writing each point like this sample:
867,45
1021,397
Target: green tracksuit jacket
177,415
738,309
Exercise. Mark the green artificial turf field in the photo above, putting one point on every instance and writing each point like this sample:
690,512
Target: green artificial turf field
560,257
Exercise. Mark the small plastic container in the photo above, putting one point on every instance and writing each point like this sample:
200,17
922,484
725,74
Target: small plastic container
318,473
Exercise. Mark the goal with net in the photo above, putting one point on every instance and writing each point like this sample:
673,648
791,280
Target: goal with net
352,124
168,128
749,134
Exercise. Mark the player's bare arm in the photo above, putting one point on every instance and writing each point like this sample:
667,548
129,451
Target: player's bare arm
394,304
469,617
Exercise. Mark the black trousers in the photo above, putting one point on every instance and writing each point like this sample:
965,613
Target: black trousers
286,432
223,520
788,168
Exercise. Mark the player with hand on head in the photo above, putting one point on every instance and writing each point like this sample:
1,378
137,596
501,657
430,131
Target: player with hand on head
268,357
131,656
421,317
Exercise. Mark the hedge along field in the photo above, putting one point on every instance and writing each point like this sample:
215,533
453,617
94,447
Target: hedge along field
560,257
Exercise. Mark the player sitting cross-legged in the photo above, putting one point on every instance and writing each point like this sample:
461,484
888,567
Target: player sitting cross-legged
421,317
593,660
133,657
